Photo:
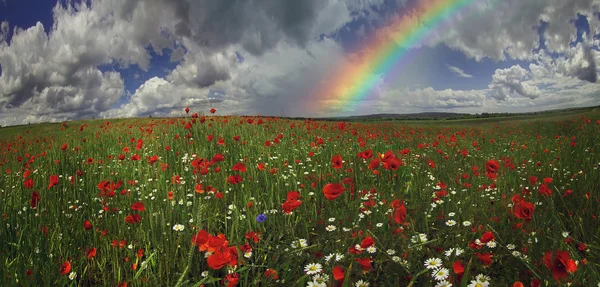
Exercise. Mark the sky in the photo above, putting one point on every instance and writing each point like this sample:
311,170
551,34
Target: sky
65,60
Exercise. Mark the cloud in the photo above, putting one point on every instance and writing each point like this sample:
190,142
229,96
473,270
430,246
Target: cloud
506,83
459,72
509,29
587,71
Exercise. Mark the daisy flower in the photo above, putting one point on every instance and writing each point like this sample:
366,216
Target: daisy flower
433,263
313,268
361,283
444,284
440,274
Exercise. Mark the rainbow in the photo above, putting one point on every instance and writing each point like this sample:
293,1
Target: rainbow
352,83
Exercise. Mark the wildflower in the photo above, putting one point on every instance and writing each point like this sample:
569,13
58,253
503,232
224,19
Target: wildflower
441,274
178,227
313,268
330,228
361,283
72,275
443,284
261,218
433,263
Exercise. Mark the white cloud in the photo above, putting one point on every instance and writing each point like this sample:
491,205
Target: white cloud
459,72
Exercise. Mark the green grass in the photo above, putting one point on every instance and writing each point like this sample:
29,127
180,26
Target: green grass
431,153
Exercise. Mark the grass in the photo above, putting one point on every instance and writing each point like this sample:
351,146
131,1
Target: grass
198,225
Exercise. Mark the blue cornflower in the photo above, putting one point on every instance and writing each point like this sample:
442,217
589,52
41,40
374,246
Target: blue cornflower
261,217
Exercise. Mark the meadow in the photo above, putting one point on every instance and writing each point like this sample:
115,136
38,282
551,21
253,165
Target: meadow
206,200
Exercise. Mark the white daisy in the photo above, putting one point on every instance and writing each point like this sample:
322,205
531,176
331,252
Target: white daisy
444,284
361,283
441,274
72,275
330,228
451,222
433,263
449,252
313,268
371,249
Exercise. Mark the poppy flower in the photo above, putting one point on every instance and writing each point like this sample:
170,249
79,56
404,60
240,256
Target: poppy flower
200,240
187,110
338,273
91,253
367,242
234,179
400,214
374,164
333,190
485,258
133,218
336,162
492,166
545,190
271,273
487,237
239,167
365,263
560,263
53,180
139,206
65,268
290,205
523,210
212,110
35,198
87,225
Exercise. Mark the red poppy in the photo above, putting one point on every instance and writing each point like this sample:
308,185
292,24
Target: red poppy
87,225
53,180
35,198
65,268
139,206
152,159
200,240
492,166
365,263
91,252
290,205
367,242
187,110
487,237
333,190
212,110
133,218
374,164
561,264
234,179
458,267
485,258
523,210
271,273
400,214
28,183
336,162
338,273
239,167
545,190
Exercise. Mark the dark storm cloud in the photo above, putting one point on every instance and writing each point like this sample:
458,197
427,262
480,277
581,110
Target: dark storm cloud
588,73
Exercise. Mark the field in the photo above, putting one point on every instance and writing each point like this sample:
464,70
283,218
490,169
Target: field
259,201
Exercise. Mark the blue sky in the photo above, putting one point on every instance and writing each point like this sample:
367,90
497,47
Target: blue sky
475,62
